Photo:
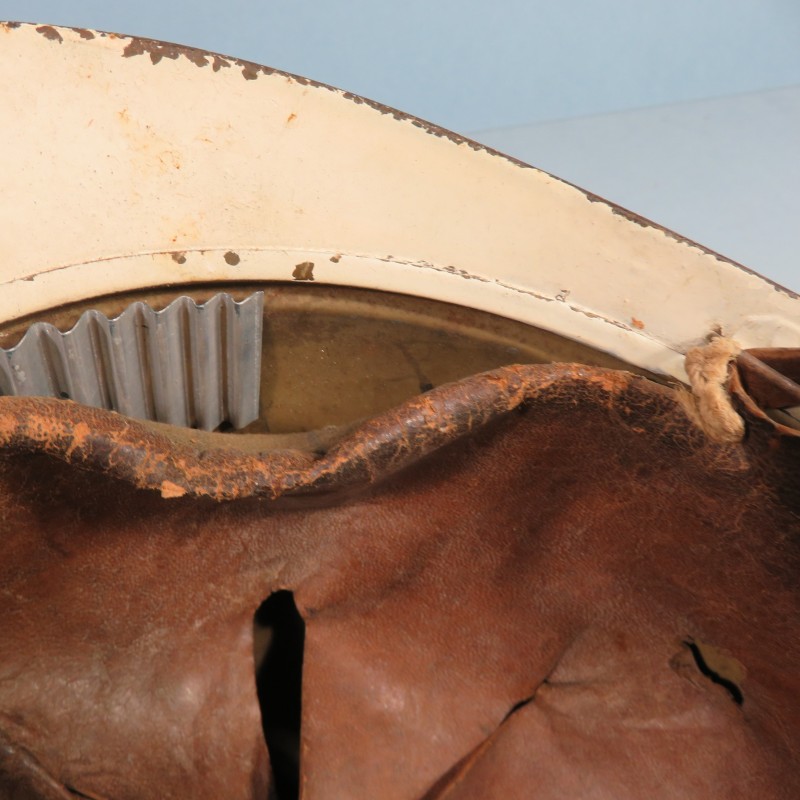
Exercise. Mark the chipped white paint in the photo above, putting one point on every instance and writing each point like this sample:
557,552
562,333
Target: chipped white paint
126,165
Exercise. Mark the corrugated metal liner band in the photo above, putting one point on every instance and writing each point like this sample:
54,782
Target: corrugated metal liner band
191,365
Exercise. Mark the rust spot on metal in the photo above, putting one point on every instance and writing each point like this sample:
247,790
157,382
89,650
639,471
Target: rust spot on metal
159,50
139,47
637,323
643,222
197,58
49,32
428,127
304,271
84,33
336,258
291,117
179,258
232,258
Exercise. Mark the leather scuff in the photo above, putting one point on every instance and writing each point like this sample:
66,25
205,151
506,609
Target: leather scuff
148,455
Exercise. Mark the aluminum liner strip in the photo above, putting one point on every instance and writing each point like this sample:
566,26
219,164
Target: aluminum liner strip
191,365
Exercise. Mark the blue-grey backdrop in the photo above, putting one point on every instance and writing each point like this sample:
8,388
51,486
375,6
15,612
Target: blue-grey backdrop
472,65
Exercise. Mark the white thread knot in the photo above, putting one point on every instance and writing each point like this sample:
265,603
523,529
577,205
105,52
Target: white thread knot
710,404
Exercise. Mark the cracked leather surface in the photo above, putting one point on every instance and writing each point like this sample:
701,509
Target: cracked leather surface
505,582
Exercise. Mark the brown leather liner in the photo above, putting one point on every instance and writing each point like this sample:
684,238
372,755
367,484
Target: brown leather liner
541,581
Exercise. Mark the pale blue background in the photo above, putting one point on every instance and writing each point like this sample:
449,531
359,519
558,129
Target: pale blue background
472,65
546,80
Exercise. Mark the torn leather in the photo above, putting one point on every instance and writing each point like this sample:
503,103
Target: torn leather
531,583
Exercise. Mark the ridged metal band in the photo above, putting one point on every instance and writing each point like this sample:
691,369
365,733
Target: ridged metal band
191,365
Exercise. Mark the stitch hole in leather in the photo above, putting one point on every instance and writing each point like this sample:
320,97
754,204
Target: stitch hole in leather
278,638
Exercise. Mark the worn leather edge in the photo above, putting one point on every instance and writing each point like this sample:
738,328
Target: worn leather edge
750,409
137,453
